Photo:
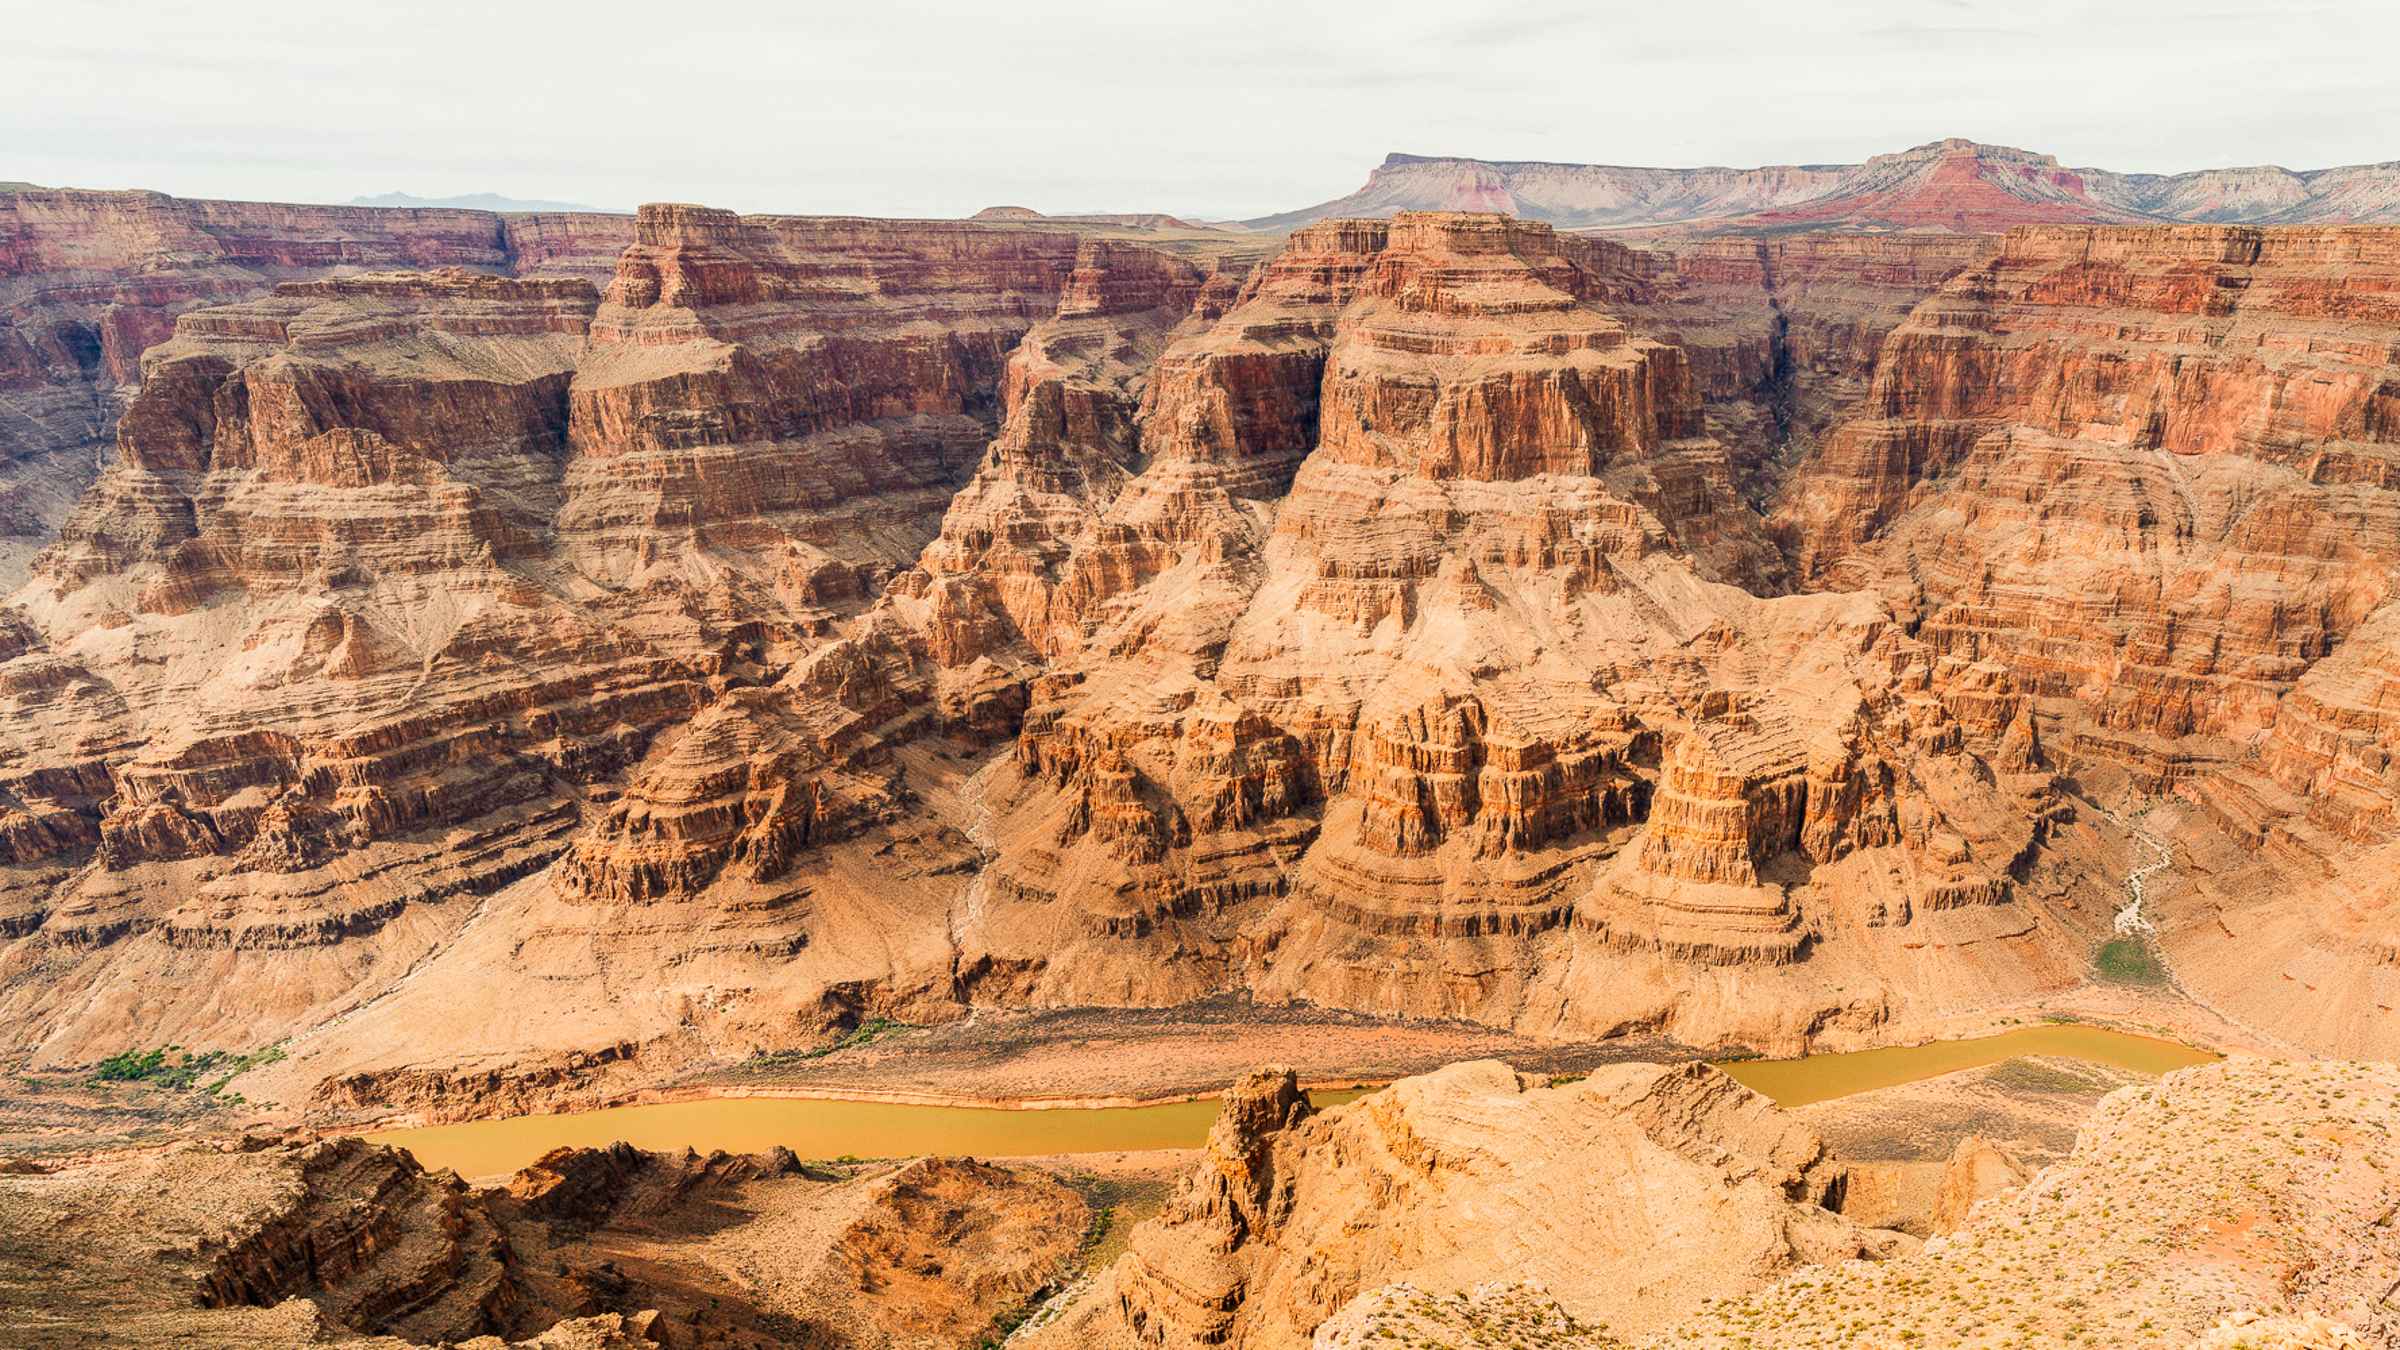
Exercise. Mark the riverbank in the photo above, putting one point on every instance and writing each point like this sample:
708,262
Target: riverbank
820,1125
1113,1057
1092,1059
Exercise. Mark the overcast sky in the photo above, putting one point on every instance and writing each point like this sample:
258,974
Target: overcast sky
1208,107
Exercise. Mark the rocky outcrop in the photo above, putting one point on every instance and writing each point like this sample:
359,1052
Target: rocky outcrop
1978,1169
1632,1195
947,1245
2236,1204
2242,1192
342,1242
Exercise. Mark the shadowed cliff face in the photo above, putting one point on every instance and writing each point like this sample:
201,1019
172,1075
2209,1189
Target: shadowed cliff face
830,618
91,280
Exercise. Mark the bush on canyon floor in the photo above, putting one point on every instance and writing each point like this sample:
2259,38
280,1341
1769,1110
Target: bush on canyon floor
867,1032
184,1071
153,1066
2128,961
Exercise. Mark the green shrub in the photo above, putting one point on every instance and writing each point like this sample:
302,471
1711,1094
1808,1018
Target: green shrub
2128,961
184,1071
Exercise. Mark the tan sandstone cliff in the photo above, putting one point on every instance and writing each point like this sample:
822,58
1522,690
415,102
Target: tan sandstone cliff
1633,1195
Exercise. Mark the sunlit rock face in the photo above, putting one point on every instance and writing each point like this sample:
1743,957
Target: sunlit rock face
1433,616
1421,687
2149,472
1632,1197
397,576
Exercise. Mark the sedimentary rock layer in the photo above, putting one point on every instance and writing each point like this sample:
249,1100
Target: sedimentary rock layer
91,280
346,1243
836,619
1423,713
397,575
2150,473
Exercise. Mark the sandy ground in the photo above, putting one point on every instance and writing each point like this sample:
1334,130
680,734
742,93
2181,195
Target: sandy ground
1899,1139
57,1113
1112,1056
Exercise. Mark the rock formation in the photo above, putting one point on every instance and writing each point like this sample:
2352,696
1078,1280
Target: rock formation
343,1242
1421,719
1632,1195
2240,1204
833,619
2145,470
2244,1193
398,577
1346,620
1978,1169
90,280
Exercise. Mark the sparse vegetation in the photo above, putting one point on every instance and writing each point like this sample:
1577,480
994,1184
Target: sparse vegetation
179,1070
867,1032
2128,960
2035,1075
1006,1324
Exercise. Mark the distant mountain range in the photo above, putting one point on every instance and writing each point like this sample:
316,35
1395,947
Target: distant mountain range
1954,185
483,201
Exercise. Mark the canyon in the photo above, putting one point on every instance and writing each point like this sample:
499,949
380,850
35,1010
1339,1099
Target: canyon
456,665
1750,641
2240,1203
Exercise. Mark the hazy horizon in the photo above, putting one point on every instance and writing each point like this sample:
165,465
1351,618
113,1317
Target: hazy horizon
932,108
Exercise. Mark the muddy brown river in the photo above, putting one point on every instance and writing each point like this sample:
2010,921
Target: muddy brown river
817,1128
1818,1078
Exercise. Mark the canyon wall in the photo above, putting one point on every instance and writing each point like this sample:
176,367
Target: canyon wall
827,619
2150,473
397,577
91,280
